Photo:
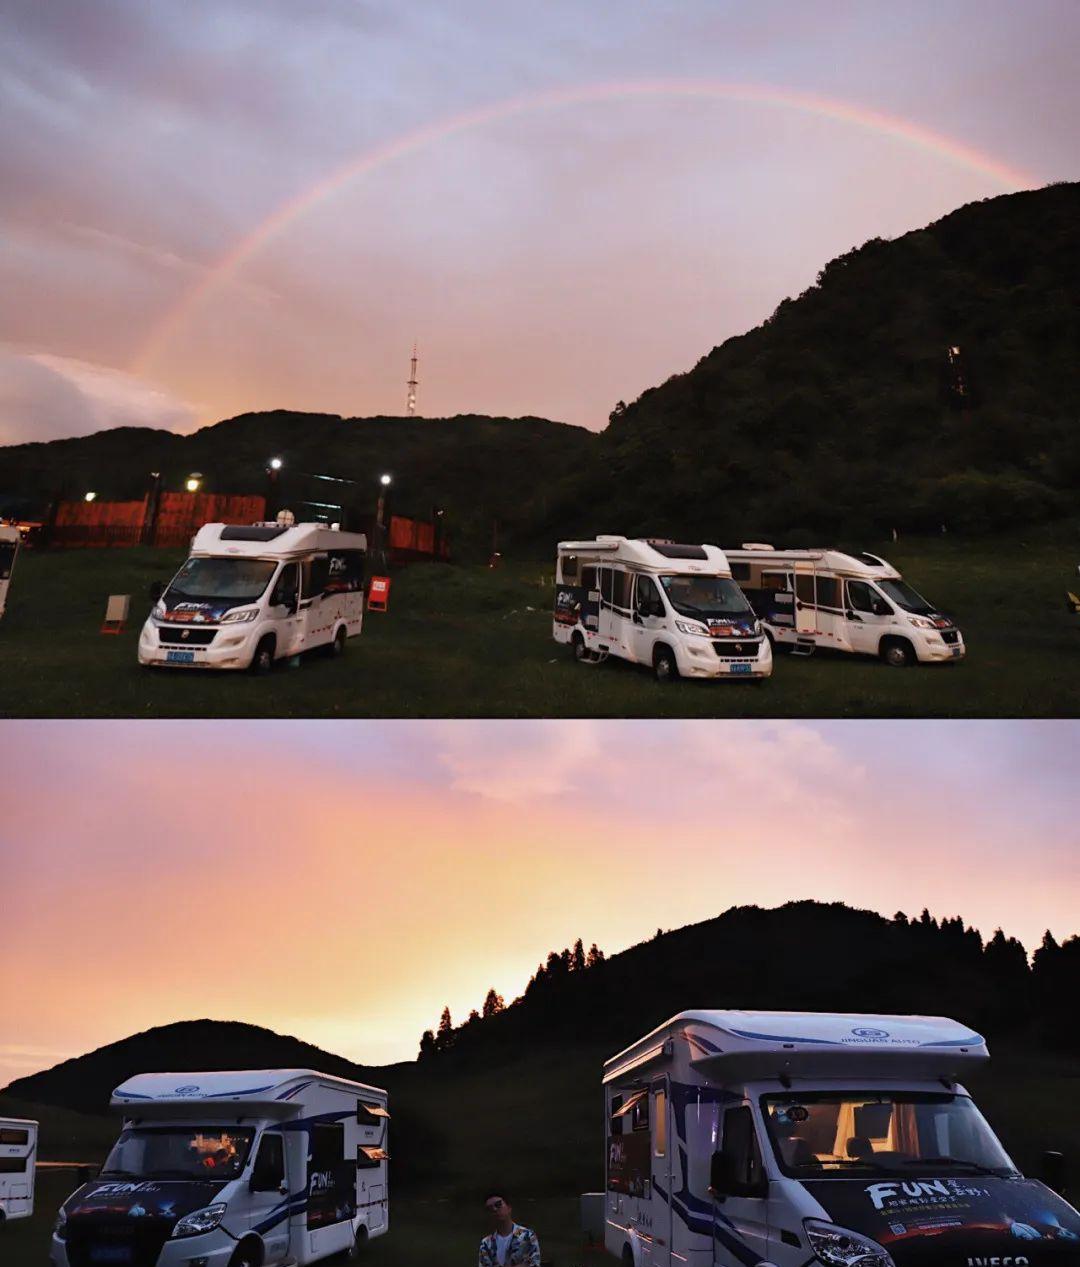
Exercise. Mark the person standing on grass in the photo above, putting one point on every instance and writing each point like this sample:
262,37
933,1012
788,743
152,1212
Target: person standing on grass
508,1243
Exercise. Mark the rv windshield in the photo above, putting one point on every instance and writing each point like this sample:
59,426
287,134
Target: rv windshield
705,596
904,596
179,1152
241,580
858,1132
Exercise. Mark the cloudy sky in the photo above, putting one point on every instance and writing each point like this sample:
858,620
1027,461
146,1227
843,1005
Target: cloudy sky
662,177
342,882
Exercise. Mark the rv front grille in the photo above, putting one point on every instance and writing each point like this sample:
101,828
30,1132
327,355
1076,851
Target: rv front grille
737,649
186,636
950,635
109,1242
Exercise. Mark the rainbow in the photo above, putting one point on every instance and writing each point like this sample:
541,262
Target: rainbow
898,129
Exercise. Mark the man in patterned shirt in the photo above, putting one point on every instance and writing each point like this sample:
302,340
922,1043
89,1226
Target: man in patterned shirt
509,1243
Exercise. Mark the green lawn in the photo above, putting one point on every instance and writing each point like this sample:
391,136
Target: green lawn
462,641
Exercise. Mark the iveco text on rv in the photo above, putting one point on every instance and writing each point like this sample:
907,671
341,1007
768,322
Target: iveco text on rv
239,1169
18,1155
674,607
845,602
248,596
793,1139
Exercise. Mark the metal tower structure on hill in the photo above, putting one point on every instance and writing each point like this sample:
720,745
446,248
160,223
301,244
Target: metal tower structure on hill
410,400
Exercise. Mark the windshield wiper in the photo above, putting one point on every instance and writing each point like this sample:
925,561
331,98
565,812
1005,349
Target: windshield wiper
120,1174
976,1166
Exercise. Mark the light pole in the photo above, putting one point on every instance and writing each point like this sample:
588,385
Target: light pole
380,515
273,476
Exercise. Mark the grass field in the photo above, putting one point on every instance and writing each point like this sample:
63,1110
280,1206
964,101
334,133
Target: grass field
462,641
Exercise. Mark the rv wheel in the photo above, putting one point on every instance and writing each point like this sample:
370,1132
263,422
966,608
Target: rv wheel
263,659
359,1245
578,644
627,1256
897,653
664,665
337,647
247,1255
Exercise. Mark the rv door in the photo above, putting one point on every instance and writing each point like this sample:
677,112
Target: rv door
741,1192
663,1222
806,622
269,1193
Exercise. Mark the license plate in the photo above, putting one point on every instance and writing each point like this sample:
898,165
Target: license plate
958,650
740,668
180,657
111,1254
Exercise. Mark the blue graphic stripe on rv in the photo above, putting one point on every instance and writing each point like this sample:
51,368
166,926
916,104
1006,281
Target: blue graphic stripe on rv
217,1095
133,1095
295,1204
306,1123
785,1038
288,1095
712,1225
972,1040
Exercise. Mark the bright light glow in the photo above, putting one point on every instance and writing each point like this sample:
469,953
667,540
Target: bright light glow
193,481
276,464
385,480
90,497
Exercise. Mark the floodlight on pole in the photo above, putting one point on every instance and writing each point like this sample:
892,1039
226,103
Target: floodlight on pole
89,497
276,464
386,480
194,480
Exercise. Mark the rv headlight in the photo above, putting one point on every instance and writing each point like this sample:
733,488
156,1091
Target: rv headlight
920,622
60,1226
204,1220
691,627
840,1247
234,618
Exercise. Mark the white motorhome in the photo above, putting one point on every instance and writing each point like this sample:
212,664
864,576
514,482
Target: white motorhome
250,595
843,602
672,607
10,538
784,1138
18,1156
241,1169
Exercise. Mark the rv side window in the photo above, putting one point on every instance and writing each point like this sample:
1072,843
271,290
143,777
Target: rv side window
639,1114
742,1157
287,586
269,1172
314,574
588,578
616,1123
370,1157
648,599
345,570
828,591
740,571
660,1129
622,589
775,581
804,587
569,569
13,1165
860,597
607,580
10,1135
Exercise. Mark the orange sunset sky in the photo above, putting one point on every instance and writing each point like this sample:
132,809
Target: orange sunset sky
342,882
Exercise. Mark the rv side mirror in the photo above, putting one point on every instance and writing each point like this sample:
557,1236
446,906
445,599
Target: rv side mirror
155,591
1053,1170
720,1176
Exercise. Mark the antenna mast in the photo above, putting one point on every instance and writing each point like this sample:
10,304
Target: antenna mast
410,400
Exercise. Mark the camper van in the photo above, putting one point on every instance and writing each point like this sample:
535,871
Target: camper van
672,607
239,1169
248,596
9,548
790,1139
18,1156
843,602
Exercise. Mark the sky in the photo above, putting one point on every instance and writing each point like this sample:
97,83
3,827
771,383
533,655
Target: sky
342,882
666,175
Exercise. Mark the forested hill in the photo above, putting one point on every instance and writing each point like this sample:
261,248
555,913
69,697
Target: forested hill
929,380
803,956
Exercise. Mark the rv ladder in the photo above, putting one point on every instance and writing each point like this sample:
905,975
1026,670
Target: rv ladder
803,646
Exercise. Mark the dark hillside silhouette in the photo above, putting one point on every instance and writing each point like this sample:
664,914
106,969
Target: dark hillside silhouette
927,381
804,956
